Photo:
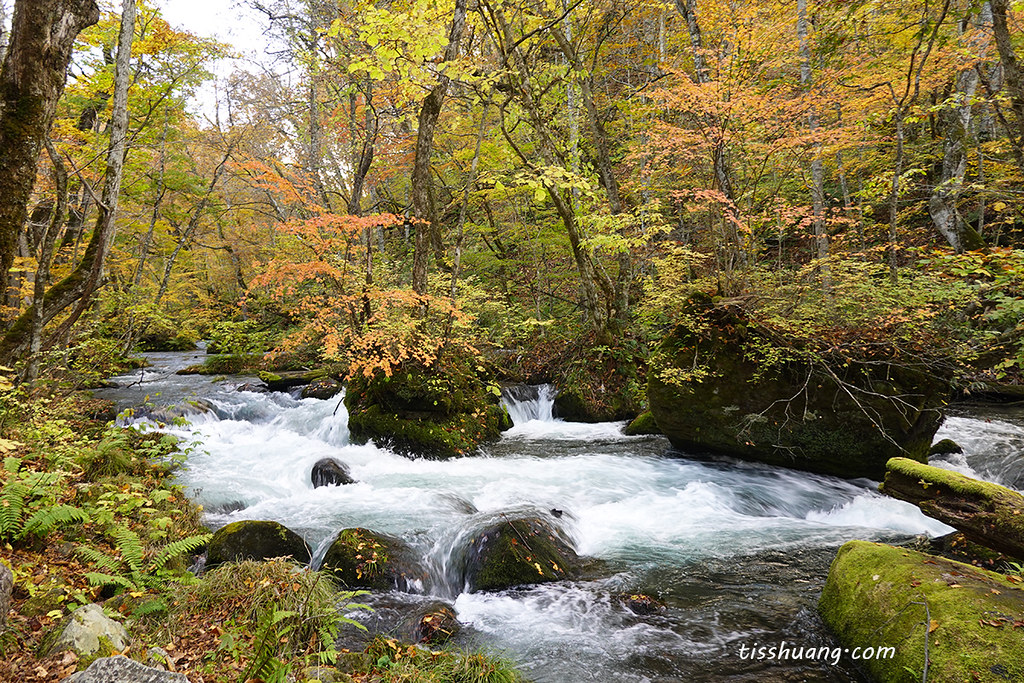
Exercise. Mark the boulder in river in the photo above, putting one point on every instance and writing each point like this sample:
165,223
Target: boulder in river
425,413
717,386
906,610
643,424
360,558
516,552
433,624
323,389
255,540
330,472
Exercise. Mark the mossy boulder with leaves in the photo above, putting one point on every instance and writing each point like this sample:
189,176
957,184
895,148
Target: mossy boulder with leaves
517,552
723,384
360,558
425,413
962,622
255,540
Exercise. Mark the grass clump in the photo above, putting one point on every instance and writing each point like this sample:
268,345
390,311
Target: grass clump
392,662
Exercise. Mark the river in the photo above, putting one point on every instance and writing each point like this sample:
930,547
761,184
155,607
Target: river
736,552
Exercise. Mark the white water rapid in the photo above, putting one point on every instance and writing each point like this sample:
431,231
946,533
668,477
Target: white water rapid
736,552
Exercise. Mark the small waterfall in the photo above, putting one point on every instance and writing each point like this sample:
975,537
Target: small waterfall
525,402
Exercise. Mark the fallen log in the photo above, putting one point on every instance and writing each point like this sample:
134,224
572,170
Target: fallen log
986,513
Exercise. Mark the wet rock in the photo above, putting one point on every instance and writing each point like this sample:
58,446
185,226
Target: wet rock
641,604
121,669
286,379
253,387
846,420
945,447
89,632
643,424
322,389
421,413
516,552
876,596
434,624
330,472
360,558
255,540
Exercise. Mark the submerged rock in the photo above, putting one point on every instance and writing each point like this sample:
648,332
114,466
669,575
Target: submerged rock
716,390
330,472
641,604
360,558
516,552
253,387
434,624
894,600
255,540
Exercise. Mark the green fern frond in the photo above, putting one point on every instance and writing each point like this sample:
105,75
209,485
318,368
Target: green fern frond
11,464
46,519
101,579
102,561
130,545
12,508
184,545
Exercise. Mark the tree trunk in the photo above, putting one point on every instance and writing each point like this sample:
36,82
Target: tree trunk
942,205
817,167
986,513
106,225
1013,75
43,34
422,190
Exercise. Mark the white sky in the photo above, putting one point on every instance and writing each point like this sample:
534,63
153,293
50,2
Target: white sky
229,21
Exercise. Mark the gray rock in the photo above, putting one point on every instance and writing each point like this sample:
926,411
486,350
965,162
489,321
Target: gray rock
120,669
330,472
88,632
6,586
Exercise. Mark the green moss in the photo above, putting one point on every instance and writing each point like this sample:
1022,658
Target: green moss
255,540
360,558
518,552
876,596
643,424
953,481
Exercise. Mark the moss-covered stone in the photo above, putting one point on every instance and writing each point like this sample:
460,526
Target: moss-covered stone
644,423
255,540
719,387
945,447
420,413
517,552
360,558
323,389
876,597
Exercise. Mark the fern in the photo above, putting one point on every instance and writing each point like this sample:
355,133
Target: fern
45,520
99,559
179,547
12,508
101,579
130,546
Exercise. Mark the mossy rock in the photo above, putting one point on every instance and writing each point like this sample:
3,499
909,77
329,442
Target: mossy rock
434,624
846,420
419,414
516,552
360,558
323,389
643,424
255,540
286,379
875,597
945,447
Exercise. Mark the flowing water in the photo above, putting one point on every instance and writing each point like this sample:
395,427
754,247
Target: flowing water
736,552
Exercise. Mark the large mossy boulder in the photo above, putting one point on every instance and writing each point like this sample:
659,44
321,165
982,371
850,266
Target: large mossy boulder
255,540
722,385
425,413
968,620
360,558
517,552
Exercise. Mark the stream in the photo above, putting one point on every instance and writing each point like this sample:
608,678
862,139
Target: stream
736,552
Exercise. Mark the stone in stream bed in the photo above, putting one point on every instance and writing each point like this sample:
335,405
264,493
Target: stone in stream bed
360,558
878,596
255,540
330,472
516,552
